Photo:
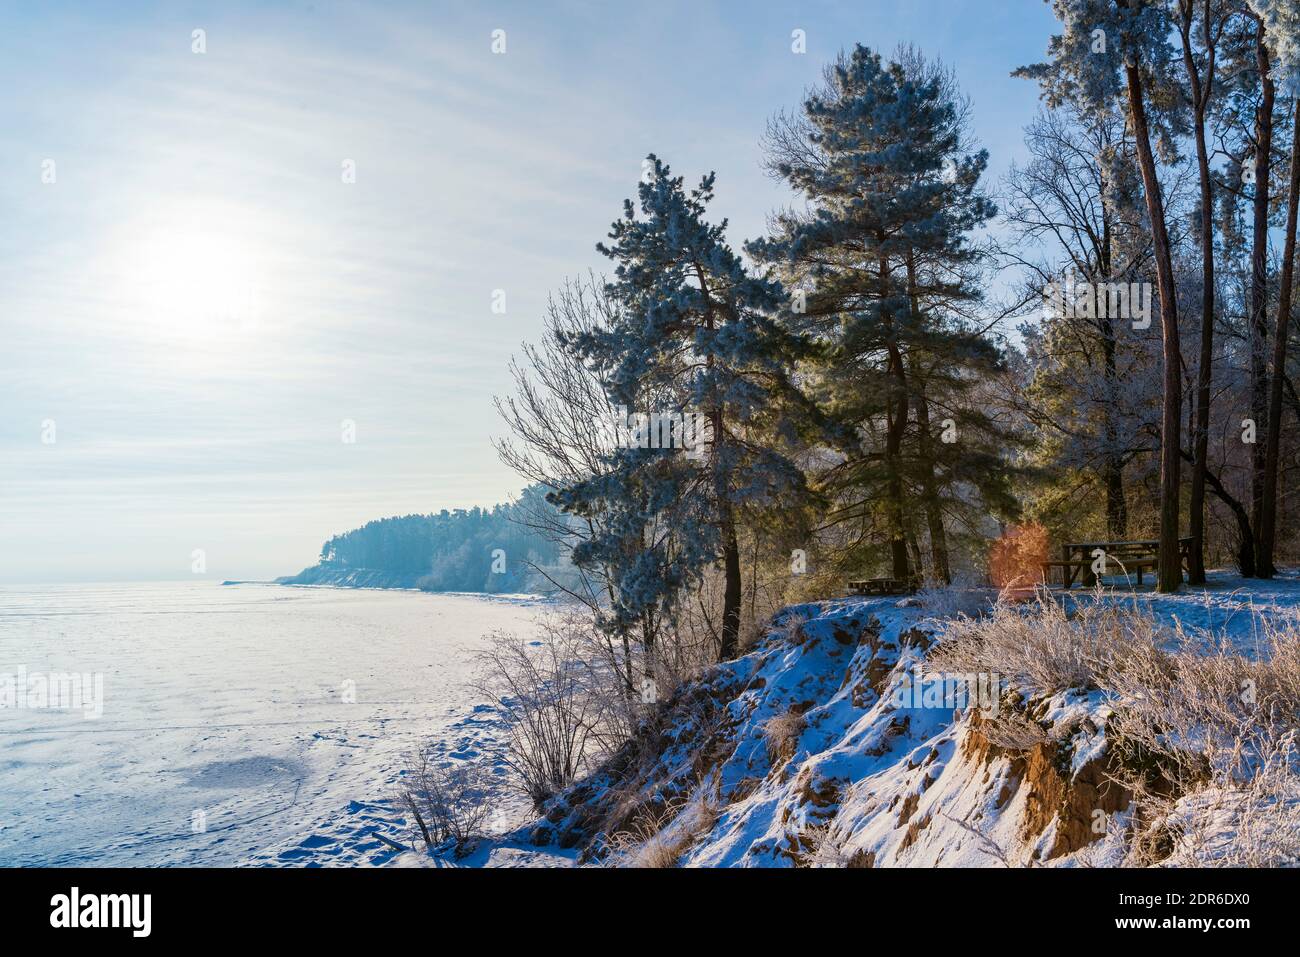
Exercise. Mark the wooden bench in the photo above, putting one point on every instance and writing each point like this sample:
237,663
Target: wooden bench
882,586
1138,564
1083,570
1068,571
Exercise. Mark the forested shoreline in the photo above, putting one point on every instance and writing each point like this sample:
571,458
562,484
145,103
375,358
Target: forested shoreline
462,550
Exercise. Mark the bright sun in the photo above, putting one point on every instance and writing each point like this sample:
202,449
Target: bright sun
195,284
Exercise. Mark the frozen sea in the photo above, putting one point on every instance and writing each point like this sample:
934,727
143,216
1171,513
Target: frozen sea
240,725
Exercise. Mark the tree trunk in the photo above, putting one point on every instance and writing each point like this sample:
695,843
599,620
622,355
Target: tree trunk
1116,507
933,511
1268,516
929,479
731,595
734,583
896,425
731,553
648,647
1113,463
917,562
732,591
893,458
1202,90
1246,545
1259,295
930,491
629,687
1170,570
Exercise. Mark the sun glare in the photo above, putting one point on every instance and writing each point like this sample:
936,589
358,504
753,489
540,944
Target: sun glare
190,276
197,285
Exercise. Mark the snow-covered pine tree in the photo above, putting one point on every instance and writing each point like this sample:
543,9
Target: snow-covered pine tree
884,264
694,336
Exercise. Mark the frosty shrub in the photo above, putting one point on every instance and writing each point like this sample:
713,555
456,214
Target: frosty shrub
787,628
1041,648
447,802
658,840
823,850
963,597
610,671
542,689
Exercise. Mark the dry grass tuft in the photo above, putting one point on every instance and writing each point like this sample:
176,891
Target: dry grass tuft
782,735
788,631
658,840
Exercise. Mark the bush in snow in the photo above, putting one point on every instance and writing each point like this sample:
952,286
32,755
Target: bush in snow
543,690
1042,648
964,597
1225,730
658,839
447,802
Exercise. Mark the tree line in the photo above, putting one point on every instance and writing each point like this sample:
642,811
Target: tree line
476,549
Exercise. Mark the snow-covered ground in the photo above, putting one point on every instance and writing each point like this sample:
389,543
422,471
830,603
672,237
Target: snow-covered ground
1227,605
241,725
277,719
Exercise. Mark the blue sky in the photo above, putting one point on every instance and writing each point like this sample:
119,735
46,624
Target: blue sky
197,302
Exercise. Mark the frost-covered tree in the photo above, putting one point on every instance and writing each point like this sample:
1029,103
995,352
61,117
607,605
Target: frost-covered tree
1281,20
1075,208
1251,129
1204,75
882,262
1200,30
694,336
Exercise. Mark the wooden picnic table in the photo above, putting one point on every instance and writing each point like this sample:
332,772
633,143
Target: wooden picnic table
1132,556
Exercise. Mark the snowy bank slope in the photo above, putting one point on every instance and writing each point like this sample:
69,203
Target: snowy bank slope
811,751
342,577
797,754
